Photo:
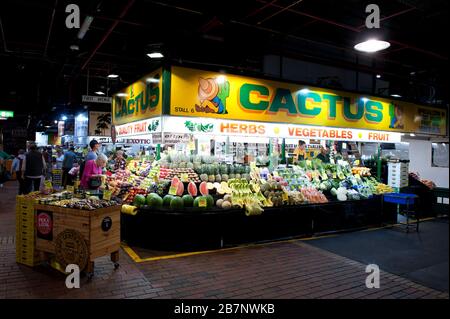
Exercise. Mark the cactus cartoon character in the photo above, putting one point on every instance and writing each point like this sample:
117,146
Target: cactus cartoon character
396,114
212,96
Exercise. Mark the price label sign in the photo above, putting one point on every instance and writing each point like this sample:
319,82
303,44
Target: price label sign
173,190
184,177
202,202
70,188
107,194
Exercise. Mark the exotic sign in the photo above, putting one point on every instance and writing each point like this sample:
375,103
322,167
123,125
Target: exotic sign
208,94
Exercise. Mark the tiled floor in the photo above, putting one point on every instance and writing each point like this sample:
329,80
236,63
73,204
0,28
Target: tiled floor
292,269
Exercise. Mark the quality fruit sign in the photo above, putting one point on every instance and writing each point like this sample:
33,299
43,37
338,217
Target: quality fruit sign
141,100
139,128
198,93
282,130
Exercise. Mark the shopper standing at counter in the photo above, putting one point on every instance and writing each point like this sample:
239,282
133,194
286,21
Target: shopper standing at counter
68,161
33,169
93,171
93,153
324,155
17,169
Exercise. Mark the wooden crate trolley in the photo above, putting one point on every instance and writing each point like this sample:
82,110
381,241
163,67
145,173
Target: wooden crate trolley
77,236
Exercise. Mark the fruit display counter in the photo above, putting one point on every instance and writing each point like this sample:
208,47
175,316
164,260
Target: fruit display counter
201,193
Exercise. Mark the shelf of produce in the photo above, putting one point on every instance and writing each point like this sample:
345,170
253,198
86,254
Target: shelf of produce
164,228
78,236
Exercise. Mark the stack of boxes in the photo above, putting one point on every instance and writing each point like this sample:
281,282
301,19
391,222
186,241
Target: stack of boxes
25,231
398,174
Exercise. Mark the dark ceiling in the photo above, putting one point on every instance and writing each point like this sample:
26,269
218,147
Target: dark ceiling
43,77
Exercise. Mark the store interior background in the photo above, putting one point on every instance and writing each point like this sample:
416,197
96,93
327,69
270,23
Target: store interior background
262,38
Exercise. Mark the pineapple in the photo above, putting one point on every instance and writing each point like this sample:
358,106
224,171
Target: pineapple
223,169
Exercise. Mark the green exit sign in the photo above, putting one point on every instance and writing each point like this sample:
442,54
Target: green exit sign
6,114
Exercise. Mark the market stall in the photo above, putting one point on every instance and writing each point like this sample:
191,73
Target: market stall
215,145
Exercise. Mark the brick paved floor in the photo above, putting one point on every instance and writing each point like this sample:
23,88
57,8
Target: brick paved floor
279,270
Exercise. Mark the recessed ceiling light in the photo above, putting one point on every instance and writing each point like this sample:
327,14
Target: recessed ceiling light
121,94
100,93
396,95
64,118
412,134
372,45
74,47
378,76
113,76
155,55
56,122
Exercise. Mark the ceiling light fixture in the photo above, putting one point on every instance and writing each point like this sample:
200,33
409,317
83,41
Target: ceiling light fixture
372,45
113,76
150,80
64,118
100,93
121,94
378,76
85,27
412,134
396,95
155,55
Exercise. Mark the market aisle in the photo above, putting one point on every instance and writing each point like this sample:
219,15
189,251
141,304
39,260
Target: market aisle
292,269
7,209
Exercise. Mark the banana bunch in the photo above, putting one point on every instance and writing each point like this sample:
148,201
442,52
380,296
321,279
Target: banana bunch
247,195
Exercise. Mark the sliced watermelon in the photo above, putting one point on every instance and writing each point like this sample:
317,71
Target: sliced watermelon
192,189
175,181
203,188
180,188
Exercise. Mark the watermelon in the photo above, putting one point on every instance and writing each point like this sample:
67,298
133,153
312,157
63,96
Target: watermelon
139,200
203,188
177,203
197,201
210,201
167,199
175,181
154,200
192,189
180,189
188,200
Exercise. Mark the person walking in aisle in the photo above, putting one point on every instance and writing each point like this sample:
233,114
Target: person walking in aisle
67,164
17,168
33,169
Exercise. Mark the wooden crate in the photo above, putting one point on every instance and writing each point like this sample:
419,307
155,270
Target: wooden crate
100,242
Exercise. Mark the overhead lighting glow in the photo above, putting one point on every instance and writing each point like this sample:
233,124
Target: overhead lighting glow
64,118
412,134
47,126
372,45
121,94
81,117
113,76
304,91
155,55
378,76
56,122
100,93
364,99
150,80
220,79
396,95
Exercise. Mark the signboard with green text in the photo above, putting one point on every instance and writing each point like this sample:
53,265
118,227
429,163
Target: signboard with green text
6,114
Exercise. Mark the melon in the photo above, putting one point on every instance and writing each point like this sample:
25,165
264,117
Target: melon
167,199
226,205
192,189
210,201
177,203
219,203
180,188
139,200
203,188
154,200
188,200
175,181
210,186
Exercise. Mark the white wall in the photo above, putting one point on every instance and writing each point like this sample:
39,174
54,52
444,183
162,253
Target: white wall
420,157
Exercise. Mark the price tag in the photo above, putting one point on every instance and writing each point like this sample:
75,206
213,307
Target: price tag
173,190
285,197
184,177
70,188
107,194
202,202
